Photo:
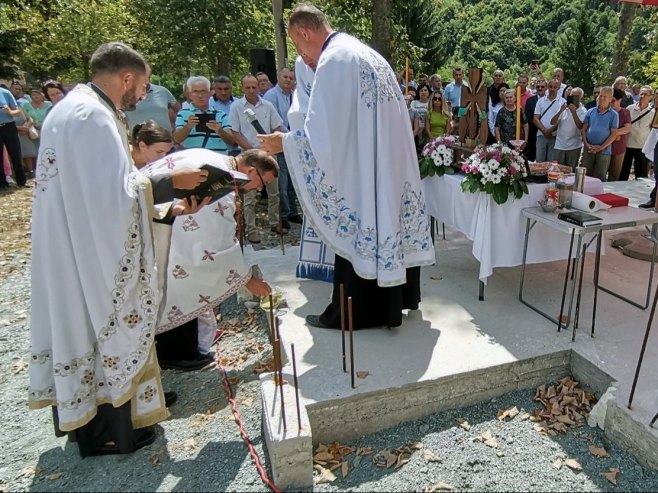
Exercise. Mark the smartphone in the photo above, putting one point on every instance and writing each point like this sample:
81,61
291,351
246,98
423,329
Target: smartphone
204,118
575,100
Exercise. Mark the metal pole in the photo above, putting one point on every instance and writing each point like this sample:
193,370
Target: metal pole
644,346
280,382
342,323
566,280
580,290
271,331
351,325
597,267
294,377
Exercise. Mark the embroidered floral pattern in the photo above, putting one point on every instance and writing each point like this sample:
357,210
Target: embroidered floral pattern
132,319
71,367
343,222
87,377
111,362
415,226
41,358
378,83
232,277
148,394
41,395
47,169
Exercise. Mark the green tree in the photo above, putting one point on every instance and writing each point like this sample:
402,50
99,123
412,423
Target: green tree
60,39
421,20
204,36
579,50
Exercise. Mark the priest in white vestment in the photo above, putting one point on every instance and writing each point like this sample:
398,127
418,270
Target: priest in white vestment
204,265
316,260
355,168
94,283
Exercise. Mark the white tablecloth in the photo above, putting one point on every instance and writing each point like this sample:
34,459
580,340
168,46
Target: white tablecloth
497,231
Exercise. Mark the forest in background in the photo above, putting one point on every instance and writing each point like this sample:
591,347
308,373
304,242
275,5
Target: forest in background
56,39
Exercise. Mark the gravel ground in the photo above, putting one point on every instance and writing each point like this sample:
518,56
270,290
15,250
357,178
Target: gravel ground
200,449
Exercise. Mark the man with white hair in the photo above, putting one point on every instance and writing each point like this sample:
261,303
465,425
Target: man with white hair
621,83
213,132
642,115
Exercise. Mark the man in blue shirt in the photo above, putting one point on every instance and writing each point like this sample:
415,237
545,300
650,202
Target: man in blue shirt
214,134
453,91
281,96
9,138
222,101
599,131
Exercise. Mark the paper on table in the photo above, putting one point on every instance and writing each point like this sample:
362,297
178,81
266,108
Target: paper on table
586,203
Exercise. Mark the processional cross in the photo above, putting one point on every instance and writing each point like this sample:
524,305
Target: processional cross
474,107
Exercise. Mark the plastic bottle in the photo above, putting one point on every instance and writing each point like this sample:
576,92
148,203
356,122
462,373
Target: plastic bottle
553,173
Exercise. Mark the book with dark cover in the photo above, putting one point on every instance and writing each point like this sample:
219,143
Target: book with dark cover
219,183
580,218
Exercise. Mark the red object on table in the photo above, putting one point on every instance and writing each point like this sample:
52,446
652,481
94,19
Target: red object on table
612,199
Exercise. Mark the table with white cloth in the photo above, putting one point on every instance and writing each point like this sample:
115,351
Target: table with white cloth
497,231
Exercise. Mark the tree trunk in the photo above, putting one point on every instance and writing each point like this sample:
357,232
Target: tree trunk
620,60
279,35
381,27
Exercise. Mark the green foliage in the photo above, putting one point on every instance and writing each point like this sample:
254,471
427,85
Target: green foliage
205,37
59,39
579,51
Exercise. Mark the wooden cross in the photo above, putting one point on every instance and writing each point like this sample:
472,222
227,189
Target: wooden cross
474,98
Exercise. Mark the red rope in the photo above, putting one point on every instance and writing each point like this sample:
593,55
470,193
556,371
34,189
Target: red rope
240,423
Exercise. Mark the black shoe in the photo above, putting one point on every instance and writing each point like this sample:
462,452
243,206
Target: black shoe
314,321
647,205
187,365
147,437
170,398
285,224
295,218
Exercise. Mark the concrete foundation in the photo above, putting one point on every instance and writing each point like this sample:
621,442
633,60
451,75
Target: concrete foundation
456,350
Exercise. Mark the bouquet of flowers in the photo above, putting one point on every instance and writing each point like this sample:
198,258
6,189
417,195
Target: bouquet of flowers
496,169
437,157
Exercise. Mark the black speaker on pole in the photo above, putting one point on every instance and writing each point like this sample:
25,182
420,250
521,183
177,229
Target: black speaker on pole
263,60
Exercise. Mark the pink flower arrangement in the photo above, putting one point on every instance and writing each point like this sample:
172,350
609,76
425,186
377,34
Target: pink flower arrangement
437,157
496,169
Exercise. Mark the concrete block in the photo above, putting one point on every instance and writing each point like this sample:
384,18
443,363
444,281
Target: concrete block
590,376
599,411
624,428
367,413
291,450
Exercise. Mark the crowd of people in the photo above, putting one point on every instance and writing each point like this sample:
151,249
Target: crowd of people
605,133
143,287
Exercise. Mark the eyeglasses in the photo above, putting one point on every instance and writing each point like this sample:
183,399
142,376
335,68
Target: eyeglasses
260,177
540,87
436,99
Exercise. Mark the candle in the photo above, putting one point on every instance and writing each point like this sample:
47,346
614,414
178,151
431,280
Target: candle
406,78
518,112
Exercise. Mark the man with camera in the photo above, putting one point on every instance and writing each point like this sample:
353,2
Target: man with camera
198,125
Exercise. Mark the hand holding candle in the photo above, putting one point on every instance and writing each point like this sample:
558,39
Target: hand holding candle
406,77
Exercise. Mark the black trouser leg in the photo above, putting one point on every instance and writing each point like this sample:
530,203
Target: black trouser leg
9,138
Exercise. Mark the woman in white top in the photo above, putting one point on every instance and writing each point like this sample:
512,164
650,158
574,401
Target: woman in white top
494,109
420,105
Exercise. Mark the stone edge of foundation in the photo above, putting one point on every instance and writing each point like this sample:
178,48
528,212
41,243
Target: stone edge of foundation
291,453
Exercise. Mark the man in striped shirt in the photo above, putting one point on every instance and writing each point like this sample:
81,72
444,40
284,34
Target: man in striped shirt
191,132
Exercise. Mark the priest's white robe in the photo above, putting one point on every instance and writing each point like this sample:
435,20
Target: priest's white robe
316,261
204,265
355,168
94,282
